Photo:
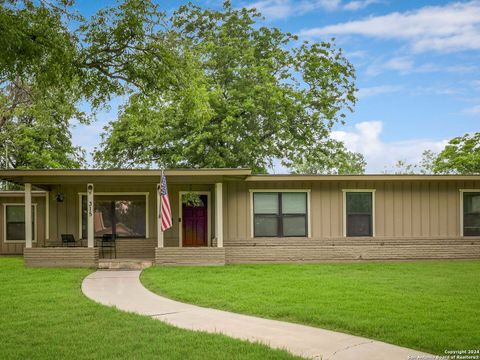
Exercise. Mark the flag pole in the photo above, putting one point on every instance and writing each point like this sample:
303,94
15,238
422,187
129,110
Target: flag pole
159,212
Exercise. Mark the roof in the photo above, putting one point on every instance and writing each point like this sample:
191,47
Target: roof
71,176
204,175
362,177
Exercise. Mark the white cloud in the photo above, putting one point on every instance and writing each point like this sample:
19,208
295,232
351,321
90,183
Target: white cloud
402,64
365,137
377,90
475,84
406,65
474,110
359,54
452,27
436,90
359,4
281,9
273,9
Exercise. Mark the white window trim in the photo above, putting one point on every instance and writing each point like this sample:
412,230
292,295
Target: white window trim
344,205
146,194
5,223
36,193
209,216
309,222
461,191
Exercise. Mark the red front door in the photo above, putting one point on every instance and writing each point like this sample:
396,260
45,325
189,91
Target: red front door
195,224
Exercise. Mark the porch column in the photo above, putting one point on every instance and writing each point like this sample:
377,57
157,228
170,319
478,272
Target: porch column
90,216
47,217
159,221
28,216
219,214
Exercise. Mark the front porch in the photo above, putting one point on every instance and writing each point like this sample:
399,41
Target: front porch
94,206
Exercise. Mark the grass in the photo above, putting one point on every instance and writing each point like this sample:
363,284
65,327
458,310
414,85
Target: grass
44,315
430,306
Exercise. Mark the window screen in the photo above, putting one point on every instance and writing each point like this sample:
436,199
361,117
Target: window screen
359,213
123,216
15,222
280,214
471,214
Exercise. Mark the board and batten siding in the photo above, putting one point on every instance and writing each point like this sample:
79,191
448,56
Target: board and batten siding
413,220
403,209
16,248
64,216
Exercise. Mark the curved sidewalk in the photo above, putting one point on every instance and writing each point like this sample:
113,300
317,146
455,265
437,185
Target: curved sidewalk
123,290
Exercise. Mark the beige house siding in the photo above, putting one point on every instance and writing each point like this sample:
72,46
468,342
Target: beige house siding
16,248
403,209
65,216
413,219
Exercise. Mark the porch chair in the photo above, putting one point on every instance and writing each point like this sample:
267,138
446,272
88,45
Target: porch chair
68,240
108,242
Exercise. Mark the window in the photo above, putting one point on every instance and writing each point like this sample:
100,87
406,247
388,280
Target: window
358,214
124,216
15,222
471,213
280,214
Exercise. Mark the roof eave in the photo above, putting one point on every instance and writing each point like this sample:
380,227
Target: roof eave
363,177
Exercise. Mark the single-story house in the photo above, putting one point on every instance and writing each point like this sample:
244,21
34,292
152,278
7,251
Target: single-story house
64,217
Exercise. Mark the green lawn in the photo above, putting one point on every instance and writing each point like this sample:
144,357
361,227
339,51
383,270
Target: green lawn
44,315
430,306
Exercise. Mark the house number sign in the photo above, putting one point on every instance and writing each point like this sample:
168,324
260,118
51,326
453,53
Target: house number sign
90,208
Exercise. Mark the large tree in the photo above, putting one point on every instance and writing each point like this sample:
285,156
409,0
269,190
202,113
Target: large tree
54,64
335,159
254,94
37,90
460,156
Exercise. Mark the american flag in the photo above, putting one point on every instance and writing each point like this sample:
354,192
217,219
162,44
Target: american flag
165,211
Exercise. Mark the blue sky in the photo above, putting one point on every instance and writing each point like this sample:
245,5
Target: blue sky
417,62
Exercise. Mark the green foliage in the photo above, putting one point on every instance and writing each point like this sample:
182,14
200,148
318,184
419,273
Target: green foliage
192,199
334,159
425,166
203,88
460,156
253,94
38,86
54,63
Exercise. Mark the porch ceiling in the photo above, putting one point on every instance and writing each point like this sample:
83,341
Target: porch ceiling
181,176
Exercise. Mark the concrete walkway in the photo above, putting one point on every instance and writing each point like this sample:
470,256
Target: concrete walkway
123,290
